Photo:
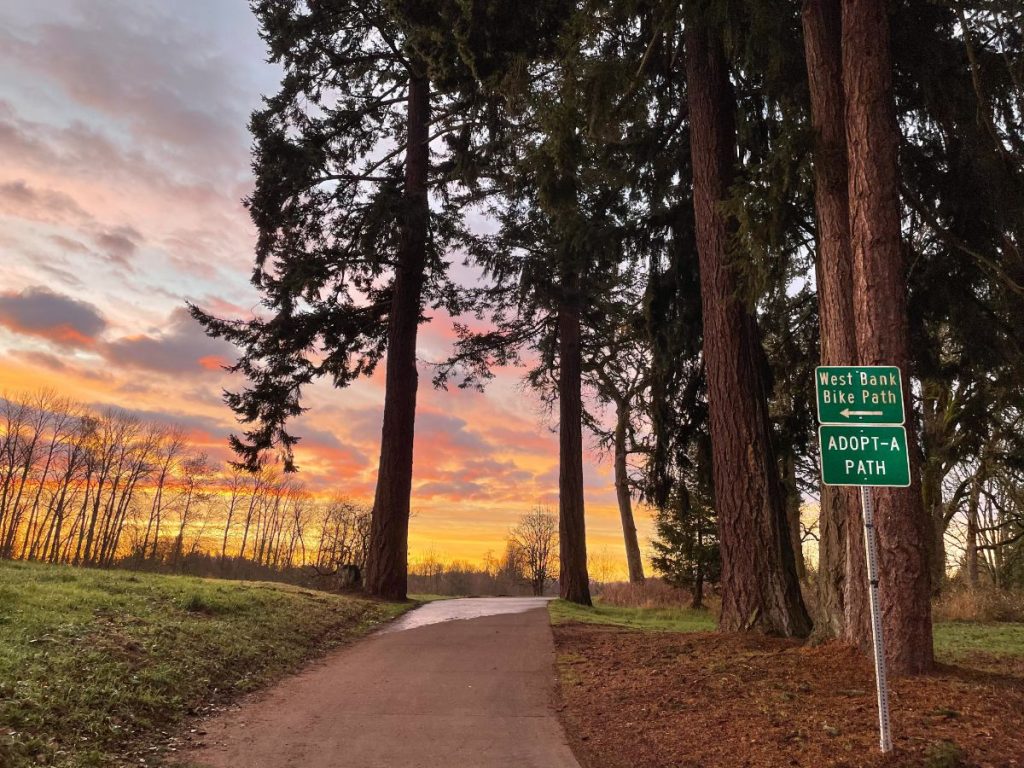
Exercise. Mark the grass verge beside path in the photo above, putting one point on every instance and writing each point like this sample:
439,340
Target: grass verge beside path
954,640
96,667
428,598
654,619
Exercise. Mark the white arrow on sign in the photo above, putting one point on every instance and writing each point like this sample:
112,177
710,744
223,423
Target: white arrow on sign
848,413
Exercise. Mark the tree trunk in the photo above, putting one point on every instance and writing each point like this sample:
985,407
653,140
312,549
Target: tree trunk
91,530
697,595
387,564
935,511
227,525
760,590
634,561
52,547
880,310
41,483
573,580
938,436
842,576
793,502
971,555
158,502
82,514
179,540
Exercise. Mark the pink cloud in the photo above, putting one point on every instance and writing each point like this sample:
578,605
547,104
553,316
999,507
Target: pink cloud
19,199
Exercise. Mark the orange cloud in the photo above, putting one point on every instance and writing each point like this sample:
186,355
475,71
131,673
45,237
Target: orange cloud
212,362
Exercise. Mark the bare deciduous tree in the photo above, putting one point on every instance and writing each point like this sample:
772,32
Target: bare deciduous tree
536,537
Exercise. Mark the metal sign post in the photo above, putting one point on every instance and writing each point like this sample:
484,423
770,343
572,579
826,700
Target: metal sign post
878,639
863,443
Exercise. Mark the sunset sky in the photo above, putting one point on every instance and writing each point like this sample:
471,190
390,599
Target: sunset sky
125,157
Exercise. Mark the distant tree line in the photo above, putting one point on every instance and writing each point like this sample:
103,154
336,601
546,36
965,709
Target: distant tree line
433,574
105,487
527,566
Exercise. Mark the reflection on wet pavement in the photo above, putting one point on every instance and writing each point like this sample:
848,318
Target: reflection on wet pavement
464,608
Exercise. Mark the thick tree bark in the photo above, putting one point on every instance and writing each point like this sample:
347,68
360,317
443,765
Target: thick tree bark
387,562
573,580
880,310
759,585
634,561
842,596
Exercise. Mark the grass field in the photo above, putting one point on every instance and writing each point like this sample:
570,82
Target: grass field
653,619
97,667
954,640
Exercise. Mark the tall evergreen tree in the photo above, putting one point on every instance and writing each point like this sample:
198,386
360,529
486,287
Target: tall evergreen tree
962,183
615,365
686,550
880,311
554,226
349,248
759,584
961,196
566,205
842,582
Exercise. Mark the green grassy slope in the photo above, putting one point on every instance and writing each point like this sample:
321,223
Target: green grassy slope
96,665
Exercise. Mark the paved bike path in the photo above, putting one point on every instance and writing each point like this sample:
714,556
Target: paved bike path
433,690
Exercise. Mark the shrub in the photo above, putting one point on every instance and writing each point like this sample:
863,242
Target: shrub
984,604
653,593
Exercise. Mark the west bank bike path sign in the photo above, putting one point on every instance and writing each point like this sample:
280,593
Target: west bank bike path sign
862,438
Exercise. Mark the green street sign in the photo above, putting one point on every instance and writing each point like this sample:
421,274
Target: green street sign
864,455
859,394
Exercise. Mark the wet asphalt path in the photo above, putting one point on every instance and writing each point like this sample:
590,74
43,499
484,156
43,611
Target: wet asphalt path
453,684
